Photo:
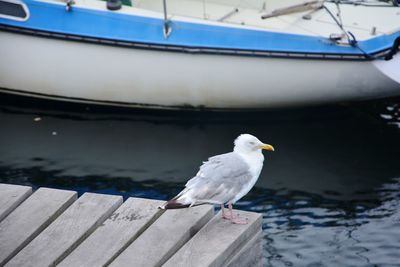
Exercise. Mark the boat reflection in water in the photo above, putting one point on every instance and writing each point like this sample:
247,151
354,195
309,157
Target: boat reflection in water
329,192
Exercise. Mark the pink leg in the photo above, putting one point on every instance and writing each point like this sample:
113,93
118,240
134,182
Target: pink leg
224,214
236,219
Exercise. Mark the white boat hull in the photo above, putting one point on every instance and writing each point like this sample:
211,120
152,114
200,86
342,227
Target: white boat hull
83,72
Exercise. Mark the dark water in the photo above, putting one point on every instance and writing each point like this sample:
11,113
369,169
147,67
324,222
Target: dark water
329,195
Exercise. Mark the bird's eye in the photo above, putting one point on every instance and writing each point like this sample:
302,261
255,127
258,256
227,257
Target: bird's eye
251,143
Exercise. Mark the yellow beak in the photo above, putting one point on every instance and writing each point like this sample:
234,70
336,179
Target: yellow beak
267,147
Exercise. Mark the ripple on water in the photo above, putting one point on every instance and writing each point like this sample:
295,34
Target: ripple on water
318,236
316,221
392,115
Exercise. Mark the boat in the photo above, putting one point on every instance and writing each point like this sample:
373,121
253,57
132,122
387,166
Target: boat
200,54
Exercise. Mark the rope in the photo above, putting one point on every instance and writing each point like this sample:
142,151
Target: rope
354,43
364,3
394,49
352,40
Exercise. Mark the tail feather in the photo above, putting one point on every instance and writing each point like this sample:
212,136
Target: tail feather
174,204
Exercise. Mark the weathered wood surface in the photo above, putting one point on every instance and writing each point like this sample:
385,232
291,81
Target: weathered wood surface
52,228
11,196
67,231
30,218
216,242
250,254
115,234
164,237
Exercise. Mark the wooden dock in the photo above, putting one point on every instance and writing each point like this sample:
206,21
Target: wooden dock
52,227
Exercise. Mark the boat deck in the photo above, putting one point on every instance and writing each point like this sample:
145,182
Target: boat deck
363,21
51,227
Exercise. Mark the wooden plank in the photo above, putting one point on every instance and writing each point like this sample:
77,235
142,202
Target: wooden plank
67,231
11,196
164,237
216,242
117,232
30,218
250,254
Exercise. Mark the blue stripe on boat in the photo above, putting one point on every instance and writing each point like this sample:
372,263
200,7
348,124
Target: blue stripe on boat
112,25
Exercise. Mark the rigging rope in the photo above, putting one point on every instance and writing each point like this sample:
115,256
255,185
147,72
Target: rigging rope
395,3
354,43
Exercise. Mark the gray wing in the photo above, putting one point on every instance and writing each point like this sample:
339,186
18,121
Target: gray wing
219,179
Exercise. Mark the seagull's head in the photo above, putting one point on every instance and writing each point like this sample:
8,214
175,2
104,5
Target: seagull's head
247,143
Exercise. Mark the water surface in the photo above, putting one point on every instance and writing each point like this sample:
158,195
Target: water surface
329,194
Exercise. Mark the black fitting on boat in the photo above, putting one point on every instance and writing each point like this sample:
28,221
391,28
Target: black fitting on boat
68,5
394,49
114,4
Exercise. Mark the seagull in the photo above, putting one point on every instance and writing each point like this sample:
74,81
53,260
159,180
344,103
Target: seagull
225,178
